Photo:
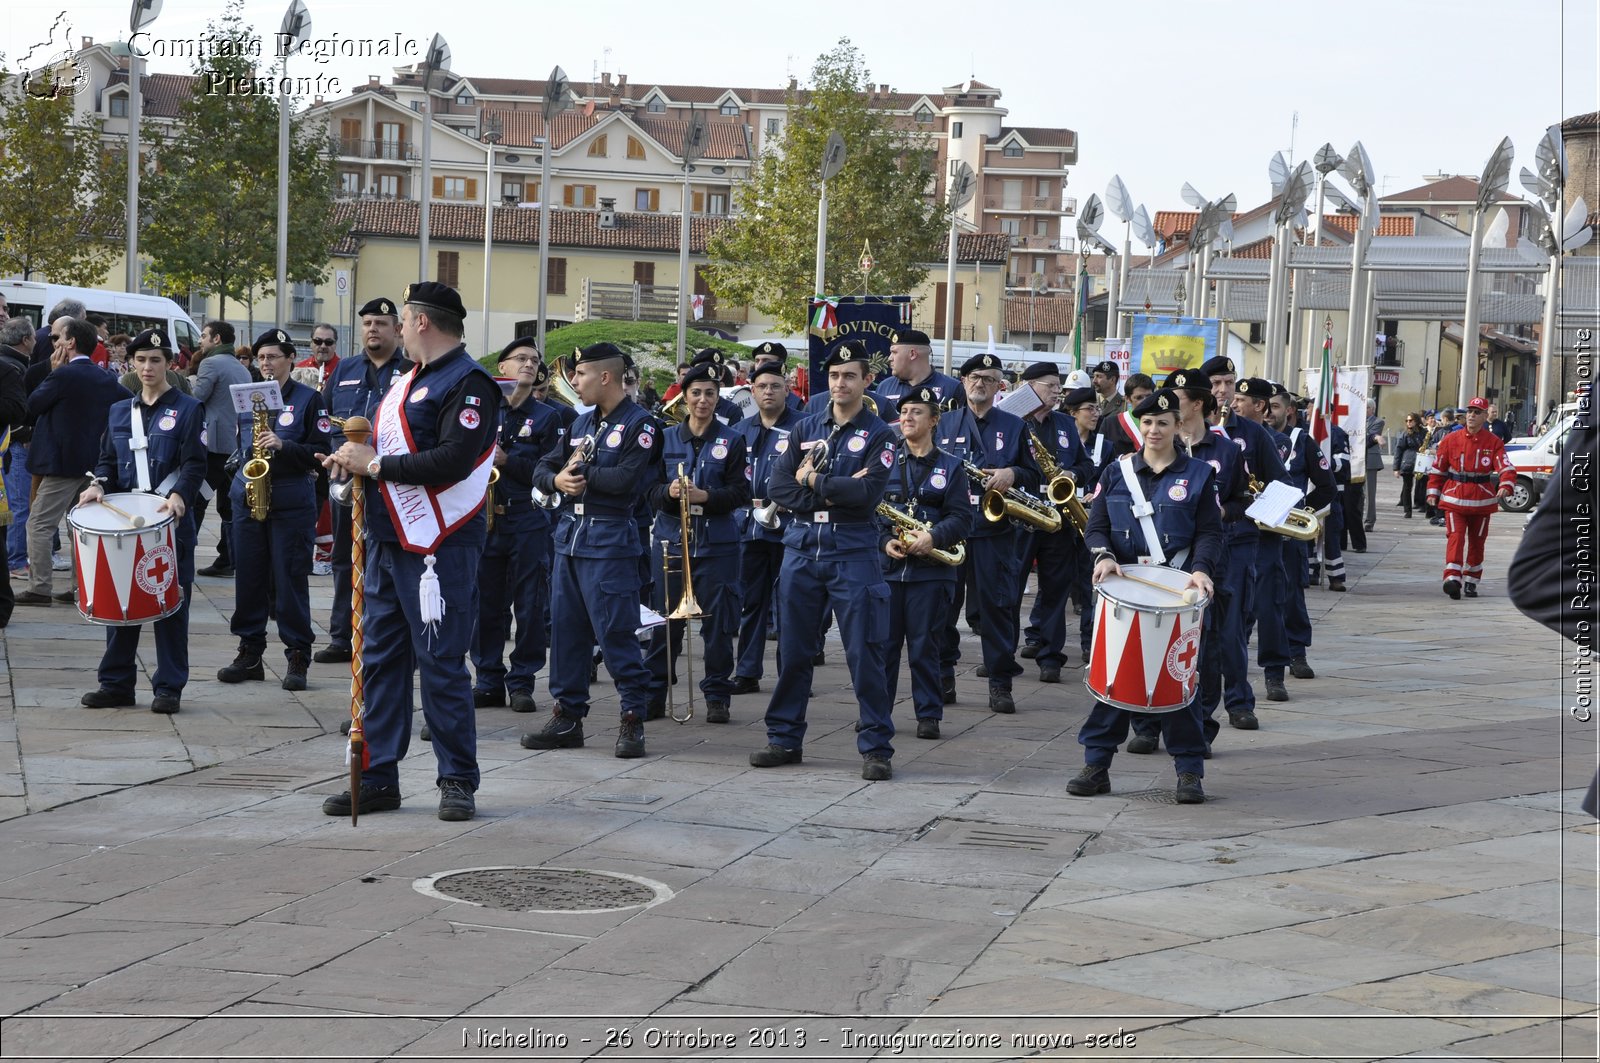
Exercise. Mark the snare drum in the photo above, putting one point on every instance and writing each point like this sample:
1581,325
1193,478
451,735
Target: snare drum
126,575
1146,651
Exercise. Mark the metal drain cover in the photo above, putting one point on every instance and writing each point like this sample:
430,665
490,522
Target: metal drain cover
545,889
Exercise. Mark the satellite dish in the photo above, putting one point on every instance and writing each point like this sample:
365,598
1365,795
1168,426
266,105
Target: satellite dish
694,138
1326,160
1093,214
556,96
144,12
1118,202
832,156
963,183
1142,228
1574,233
295,29
1192,197
1277,173
1496,173
1551,156
437,62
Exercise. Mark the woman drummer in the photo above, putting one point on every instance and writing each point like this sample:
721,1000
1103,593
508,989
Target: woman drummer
1155,494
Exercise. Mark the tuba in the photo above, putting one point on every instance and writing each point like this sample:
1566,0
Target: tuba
1024,507
258,470
1302,523
1060,487
905,526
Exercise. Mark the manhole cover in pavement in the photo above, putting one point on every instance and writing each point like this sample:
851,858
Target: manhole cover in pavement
545,889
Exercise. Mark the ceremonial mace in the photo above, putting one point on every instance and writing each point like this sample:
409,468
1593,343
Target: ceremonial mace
357,430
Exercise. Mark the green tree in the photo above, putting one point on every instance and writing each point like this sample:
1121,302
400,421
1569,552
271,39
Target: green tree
766,256
55,217
213,216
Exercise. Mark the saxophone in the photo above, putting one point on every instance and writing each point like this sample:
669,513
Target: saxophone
905,526
258,470
1060,487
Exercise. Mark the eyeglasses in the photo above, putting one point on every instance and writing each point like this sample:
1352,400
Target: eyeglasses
322,343
983,378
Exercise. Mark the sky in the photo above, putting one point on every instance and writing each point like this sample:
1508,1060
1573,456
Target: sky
1160,92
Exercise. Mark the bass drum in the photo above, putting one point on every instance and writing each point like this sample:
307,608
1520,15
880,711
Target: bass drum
1146,651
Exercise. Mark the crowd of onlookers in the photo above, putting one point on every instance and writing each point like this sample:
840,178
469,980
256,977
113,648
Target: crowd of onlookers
1413,452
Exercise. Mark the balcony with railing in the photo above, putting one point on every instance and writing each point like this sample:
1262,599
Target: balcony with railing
390,150
1034,242
1031,204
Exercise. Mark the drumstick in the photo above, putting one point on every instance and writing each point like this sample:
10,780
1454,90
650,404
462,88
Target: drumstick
133,519
1190,595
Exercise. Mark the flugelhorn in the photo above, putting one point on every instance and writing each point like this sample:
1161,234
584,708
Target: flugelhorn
906,527
258,470
582,452
1302,523
1021,506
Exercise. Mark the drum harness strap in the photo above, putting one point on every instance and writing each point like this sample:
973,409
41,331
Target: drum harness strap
141,459
1143,509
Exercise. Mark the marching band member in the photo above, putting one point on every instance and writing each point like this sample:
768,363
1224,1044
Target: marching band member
931,486
1270,602
766,436
355,387
727,411
1467,468
155,442
595,580
997,443
1333,528
775,354
712,457
513,576
1309,471
1057,552
831,479
911,369
1080,405
274,555
434,433
1162,505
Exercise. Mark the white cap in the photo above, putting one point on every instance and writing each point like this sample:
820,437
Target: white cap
1076,379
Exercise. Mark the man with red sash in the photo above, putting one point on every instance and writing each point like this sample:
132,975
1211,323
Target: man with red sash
435,432
1471,473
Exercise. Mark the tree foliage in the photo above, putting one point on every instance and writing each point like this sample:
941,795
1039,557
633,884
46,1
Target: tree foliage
60,206
766,256
213,217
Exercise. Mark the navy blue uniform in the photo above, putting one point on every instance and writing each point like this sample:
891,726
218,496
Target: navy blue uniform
595,583
832,560
1308,470
273,556
354,388
175,447
762,552
989,578
891,389
450,410
1098,451
922,592
1059,554
715,463
513,576
1188,522
1333,526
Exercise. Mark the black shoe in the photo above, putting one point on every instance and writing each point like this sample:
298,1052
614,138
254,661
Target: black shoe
488,699
106,698
1338,584
927,728
561,732
373,799
1049,675
1208,751
656,710
947,690
1300,669
295,677
164,704
1030,651
717,712
771,756
423,734
1143,743
522,701
1000,701
1408,516
630,737
1470,590
1437,522
772,635
1452,588
66,598
743,684
1369,527
1090,781
1244,721
456,802
819,660
1276,691
332,655
983,671
218,567
1189,791
34,598
246,665
876,769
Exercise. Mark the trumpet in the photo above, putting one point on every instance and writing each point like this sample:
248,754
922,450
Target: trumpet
1302,523
258,470
906,527
688,607
1024,507
1060,488
581,454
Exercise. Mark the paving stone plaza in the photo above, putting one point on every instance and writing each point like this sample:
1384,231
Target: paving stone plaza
1394,867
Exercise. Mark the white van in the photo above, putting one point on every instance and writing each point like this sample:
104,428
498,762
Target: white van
123,312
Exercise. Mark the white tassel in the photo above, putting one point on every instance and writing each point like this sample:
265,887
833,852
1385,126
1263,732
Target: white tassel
430,600
348,754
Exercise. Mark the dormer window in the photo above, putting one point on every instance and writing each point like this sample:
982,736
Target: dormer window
656,105
923,114
729,108
1012,150
119,106
464,98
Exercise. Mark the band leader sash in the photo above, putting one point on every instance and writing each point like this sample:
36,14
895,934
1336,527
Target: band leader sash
424,515
1131,426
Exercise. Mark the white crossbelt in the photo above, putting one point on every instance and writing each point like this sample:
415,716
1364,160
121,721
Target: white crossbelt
1142,509
139,444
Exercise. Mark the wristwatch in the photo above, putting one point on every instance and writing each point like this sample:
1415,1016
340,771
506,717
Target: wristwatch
374,467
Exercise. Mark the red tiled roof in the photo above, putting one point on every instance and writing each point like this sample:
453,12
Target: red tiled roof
1388,224
463,222
1052,315
726,139
523,129
1587,123
1449,190
161,95
1170,223
1041,136
979,247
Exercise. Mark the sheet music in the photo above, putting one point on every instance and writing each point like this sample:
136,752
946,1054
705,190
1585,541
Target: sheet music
1272,506
1022,400
244,396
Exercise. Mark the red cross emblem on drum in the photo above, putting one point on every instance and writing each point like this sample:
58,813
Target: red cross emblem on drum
155,571
1146,651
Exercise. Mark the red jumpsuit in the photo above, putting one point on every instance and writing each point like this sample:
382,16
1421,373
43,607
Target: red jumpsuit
1469,471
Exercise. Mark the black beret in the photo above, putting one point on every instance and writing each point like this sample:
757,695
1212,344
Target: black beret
702,371
431,295
986,360
1255,388
151,339
708,356
911,338
847,352
1278,389
381,307
768,369
1221,365
1163,401
923,397
1107,368
1188,378
1078,397
530,342
1039,369
771,349
601,352
274,337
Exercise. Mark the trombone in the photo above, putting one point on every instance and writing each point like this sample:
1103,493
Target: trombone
688,607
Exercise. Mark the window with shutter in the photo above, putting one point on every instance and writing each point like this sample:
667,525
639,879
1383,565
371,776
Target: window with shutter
438,188
597,147
697,203
635,149
449,268
555,279
471,190
644,273
647,199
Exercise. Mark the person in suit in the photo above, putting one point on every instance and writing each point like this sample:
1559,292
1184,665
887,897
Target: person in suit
13,412
1375,427
218,371
68,411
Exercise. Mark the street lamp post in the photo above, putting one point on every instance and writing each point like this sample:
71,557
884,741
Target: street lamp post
491,137
832,161
1496,172
963,183
143,14
694,145
437,62
555,101
292,36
